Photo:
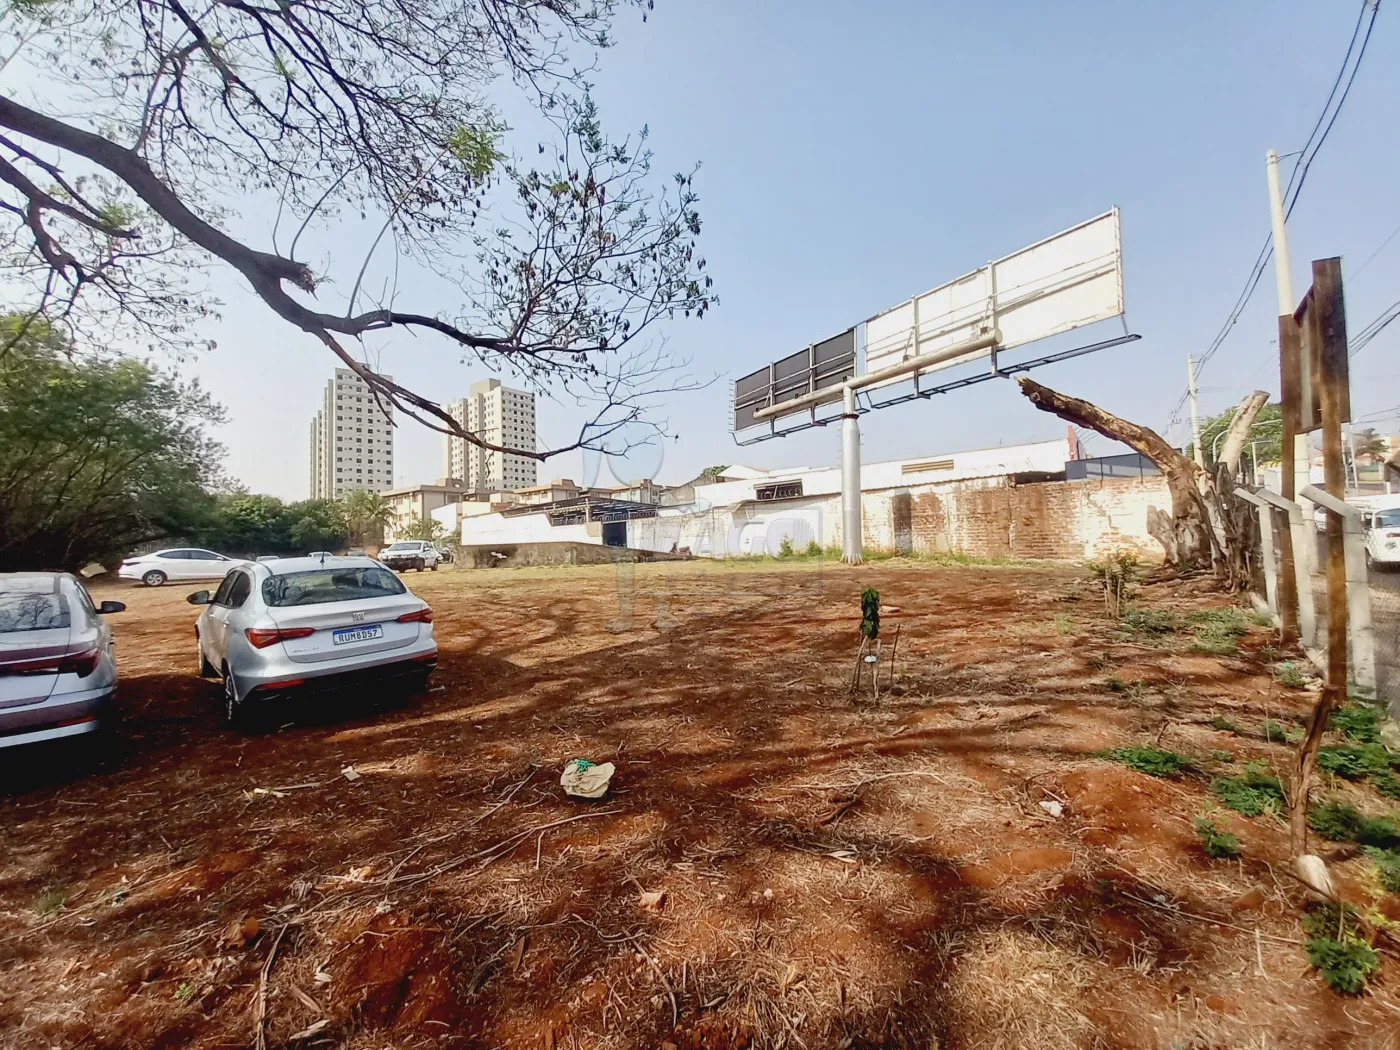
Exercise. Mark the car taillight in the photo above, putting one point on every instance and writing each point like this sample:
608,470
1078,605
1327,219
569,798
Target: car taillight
423,615
81,664
262,637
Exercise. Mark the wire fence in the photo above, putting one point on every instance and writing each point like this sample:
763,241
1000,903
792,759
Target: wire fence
1385,620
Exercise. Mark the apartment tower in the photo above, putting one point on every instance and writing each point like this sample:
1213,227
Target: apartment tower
352,440
499,416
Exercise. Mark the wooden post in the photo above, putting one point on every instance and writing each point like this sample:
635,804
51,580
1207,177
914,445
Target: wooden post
1288,385
1324,312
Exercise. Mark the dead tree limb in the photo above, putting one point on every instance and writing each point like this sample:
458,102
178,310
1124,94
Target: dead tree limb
1185,534
1238,432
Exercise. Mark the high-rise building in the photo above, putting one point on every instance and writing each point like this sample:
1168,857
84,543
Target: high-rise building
499,416
352,440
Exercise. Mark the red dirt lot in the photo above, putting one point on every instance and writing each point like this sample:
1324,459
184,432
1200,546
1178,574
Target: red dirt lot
836,872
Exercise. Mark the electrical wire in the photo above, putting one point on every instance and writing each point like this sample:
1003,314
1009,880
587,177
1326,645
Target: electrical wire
1358,342
1296,179
1370,258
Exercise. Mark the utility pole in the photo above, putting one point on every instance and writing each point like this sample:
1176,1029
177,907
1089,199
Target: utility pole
1295,577
1297,453
1195,415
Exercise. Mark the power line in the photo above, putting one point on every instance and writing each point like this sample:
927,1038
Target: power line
1358,342
1357,272
1296,180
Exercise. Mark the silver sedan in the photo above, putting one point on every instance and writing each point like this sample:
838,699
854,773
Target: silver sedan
293,627
57,672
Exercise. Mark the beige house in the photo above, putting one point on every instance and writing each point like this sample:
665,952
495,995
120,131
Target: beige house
421,500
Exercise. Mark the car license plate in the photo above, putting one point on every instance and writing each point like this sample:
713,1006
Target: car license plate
348,635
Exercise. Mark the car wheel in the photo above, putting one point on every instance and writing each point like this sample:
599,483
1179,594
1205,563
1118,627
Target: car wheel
433,567
154,578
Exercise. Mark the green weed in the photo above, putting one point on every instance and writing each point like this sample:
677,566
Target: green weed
1254,793
1116,685
1149,760
1353,763
1290,675
1222,756
1224,724
1148,621
1387,864
1218,844
1261,619
50,901
1339,821
1358,722
1065,624
1335,947
1345,965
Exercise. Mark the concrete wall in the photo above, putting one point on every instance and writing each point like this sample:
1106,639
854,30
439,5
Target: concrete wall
986,517
517,555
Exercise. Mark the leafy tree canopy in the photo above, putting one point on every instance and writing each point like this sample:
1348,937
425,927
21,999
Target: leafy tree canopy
1267,432
97,456
132,133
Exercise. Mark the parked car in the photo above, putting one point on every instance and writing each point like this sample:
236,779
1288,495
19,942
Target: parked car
177,563
57,672
444,553
1383,537
411,554
275,631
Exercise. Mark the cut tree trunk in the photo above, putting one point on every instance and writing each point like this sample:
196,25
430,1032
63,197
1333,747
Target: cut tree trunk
1184,533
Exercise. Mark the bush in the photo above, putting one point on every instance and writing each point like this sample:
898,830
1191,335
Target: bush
1149,760
1288,674
814,549
1254,793
1218,844
1115,572
785,547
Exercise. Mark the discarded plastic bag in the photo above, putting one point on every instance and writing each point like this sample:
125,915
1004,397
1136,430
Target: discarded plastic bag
583,779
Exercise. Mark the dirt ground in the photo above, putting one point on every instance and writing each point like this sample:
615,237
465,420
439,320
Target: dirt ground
834,872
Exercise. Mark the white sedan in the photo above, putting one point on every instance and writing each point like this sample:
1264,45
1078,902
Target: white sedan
176,563
1383,537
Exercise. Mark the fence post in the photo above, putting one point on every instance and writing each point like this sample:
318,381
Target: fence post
1298,531
1264,513
1363,635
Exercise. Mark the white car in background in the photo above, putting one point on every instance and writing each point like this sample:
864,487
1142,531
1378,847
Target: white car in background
177,563
1382,530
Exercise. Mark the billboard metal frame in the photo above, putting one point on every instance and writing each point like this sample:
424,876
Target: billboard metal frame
1055,285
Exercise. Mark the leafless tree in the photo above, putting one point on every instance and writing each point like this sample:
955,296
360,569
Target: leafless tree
131,131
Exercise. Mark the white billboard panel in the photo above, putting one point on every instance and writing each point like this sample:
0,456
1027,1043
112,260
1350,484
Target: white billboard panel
1063,282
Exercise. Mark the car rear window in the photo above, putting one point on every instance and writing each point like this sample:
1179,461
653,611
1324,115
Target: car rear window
21,611
321,586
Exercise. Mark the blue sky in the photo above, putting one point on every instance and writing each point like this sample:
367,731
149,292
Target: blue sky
855,154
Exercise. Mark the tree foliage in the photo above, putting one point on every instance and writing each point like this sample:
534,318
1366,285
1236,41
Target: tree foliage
141,127
1265,436
97,456
429,529
251,525
368,515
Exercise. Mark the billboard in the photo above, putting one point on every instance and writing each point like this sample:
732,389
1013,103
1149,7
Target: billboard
1063,282
822,365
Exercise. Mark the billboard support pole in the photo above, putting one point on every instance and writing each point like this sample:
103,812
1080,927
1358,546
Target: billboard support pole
850,479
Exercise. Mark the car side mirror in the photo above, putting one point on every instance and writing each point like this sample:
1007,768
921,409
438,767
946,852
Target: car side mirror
198,598
111,607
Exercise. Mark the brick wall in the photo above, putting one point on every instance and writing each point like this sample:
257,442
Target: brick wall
1055,519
